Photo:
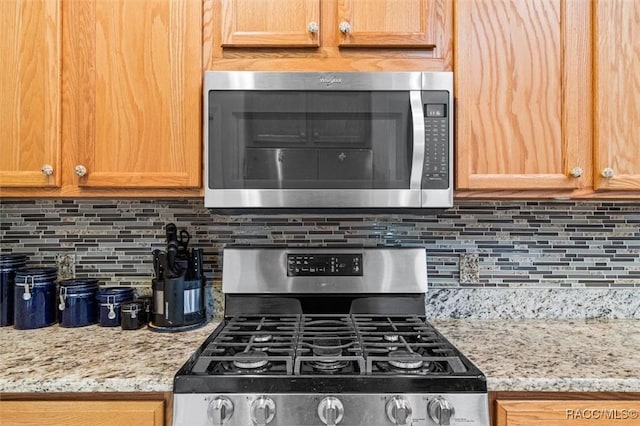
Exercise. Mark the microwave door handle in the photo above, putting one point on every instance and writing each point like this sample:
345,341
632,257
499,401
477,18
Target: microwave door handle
417,118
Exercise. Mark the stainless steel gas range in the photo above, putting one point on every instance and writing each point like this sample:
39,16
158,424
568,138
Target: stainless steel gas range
324,336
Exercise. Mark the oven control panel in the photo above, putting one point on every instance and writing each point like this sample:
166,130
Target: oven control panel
318,409
322,265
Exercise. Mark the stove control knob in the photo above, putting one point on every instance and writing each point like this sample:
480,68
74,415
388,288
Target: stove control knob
220,410
399,411
330,411
441,411
263,410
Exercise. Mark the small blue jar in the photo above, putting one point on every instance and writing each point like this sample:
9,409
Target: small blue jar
77,302
9,263
133,316
34,298
110,299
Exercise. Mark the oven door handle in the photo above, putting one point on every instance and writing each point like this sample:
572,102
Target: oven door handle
417,120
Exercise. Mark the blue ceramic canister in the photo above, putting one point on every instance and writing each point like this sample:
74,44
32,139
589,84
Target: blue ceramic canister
34,298
9,263
110,299
77,302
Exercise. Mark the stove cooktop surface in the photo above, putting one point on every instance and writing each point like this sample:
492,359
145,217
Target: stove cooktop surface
339,353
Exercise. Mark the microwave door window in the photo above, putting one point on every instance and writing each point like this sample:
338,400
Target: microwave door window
309,140
347,165
277,165
340,119
364,139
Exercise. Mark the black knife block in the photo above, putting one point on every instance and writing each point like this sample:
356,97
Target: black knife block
177,303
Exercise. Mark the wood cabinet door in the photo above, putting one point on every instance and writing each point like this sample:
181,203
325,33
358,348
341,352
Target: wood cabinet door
396,23
567,413
617,109
30,93
270,23
523,94
132,92
70,413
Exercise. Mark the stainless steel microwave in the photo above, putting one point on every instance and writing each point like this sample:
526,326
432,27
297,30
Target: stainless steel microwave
328,140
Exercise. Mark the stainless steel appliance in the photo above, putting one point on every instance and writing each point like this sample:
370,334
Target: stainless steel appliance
339,140
323,336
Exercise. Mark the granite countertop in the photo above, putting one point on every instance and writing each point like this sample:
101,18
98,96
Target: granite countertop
94,358
516,355
551,355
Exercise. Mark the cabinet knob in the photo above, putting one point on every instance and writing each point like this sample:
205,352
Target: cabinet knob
345,27
313,27
47,170
607,173
80,170
576,172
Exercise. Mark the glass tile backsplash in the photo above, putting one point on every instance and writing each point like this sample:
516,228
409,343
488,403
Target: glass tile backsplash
475,244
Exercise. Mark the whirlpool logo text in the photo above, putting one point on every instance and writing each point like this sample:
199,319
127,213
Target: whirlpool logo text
329,81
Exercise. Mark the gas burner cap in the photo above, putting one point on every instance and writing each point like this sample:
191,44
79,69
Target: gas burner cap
405,360
250,360
392,338
329,366
262,338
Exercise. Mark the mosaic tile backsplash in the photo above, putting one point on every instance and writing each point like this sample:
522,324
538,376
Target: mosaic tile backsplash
476,244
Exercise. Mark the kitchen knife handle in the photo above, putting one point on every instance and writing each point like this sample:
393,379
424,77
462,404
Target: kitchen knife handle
157,270
171,231
196,256
172,256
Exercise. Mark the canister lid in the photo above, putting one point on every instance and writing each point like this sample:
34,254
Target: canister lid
133,306
12,260
117,294
79,285
36,275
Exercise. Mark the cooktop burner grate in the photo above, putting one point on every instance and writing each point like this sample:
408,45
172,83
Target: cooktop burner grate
328,344
251,345
307,345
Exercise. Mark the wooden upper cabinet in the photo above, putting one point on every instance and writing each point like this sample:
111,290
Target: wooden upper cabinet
132,93
381,23
30,93
617,107
269,23
421,28
523,94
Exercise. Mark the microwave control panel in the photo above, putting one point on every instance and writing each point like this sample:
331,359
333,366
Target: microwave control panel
436,168
322,265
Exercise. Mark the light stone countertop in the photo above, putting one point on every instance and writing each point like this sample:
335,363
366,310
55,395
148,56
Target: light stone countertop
551,355
515,355
94,358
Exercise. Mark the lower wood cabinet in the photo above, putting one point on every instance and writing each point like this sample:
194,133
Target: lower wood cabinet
111,410
600,412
